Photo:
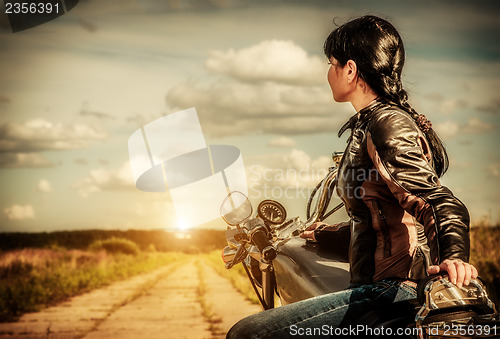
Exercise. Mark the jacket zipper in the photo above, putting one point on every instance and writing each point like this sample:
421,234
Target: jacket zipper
384,230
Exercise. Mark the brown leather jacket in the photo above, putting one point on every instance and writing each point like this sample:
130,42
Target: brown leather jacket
402,218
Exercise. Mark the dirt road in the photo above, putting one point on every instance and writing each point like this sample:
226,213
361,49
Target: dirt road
185,300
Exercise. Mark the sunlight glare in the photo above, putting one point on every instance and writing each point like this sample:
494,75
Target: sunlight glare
182,224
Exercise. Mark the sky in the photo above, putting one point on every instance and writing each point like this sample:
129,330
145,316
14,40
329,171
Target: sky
73,90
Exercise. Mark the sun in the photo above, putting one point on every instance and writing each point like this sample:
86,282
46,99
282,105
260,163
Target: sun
182,224
183,227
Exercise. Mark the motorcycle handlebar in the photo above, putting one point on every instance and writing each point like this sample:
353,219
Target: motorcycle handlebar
260,238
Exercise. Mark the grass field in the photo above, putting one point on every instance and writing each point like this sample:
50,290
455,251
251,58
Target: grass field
35,278
485,256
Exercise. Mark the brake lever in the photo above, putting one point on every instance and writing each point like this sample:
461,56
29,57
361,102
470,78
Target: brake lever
241,252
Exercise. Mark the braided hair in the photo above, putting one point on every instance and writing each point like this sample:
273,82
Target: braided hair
378,51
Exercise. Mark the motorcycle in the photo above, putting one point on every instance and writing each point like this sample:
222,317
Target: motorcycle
279,262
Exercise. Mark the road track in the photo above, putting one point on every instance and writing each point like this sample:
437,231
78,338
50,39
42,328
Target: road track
170,302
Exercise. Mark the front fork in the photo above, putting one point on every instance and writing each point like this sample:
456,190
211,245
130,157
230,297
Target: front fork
268,283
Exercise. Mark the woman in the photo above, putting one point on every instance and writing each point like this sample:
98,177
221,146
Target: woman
404,223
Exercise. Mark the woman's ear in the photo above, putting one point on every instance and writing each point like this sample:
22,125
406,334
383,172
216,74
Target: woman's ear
351,70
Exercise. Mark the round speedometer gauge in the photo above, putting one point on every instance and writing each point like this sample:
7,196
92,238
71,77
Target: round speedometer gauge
272,212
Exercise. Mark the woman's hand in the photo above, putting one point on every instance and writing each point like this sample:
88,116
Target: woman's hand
309,232
459,272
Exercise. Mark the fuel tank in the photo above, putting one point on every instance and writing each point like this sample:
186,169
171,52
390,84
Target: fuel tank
303,270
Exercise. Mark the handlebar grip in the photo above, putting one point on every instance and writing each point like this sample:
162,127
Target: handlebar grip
260,239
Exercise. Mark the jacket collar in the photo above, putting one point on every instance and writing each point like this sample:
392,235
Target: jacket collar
351,123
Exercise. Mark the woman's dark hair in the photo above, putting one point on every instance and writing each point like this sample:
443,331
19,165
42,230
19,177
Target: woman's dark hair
377,49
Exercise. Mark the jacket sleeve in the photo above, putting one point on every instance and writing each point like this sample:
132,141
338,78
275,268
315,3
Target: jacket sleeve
335,237
394,144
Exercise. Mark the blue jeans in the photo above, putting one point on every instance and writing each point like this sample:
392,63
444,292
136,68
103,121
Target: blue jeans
319,316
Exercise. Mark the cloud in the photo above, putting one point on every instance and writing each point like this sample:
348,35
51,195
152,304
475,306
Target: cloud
494,169
98,115
86,111
492,107
18,212
434,96
4,99
103,161
449,106
105,180
230,107
44,186
81,161
449,129
459,164
137,120
23,160
272,87
293,170
270,60
281,142
41,135
446,106
476,126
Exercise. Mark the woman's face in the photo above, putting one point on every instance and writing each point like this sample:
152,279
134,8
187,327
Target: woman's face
338,81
